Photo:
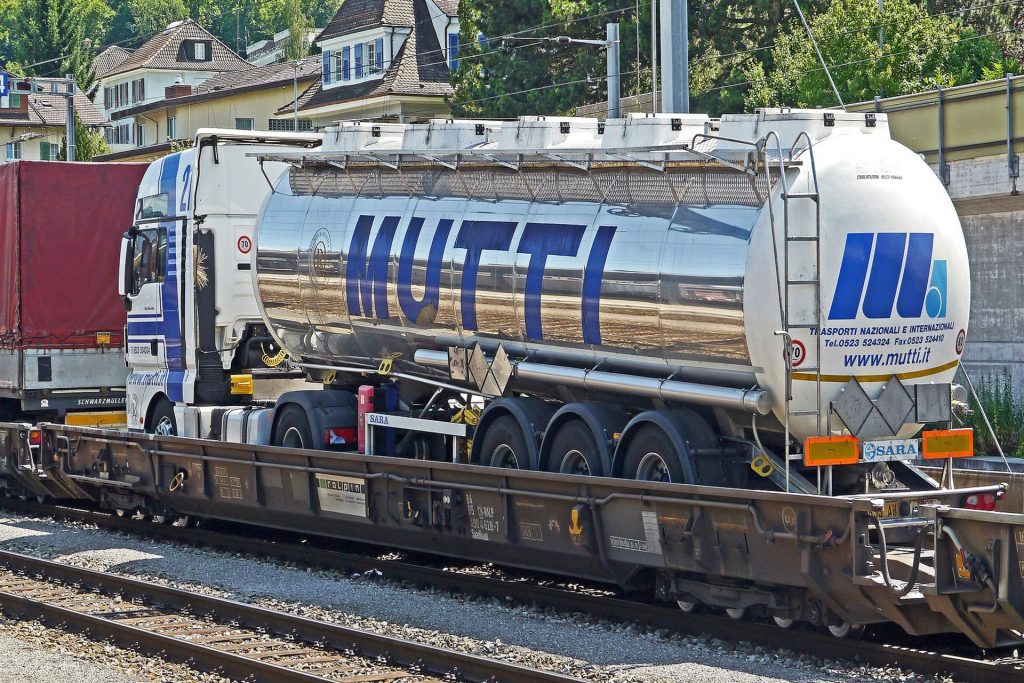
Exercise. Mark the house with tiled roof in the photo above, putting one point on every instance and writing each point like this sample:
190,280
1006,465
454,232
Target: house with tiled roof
183,53
385,60
245,100
108,60
32,125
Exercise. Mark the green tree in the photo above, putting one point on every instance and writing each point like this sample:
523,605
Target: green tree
51,39
88,143
508,75
298,26
9,10
150,16
919,52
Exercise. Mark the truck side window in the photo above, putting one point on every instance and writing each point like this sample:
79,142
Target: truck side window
150,262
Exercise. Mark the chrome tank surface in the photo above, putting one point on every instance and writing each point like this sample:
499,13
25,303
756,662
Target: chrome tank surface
370,262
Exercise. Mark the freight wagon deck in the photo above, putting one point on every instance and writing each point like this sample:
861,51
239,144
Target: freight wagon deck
834,561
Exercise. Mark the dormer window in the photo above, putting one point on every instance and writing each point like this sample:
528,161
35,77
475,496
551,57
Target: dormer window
195,51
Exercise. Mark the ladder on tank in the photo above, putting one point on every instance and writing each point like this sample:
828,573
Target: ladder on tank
811,281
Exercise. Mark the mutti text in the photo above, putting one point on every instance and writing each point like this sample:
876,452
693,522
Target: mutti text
367,267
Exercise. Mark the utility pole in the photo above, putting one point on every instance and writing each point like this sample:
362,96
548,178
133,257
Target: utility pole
881,26
611,44
614,86
675,53
295,94
654,56
70,130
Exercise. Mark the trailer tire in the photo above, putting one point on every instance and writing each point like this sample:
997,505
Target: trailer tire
504,445
574,451
651,456
292,430
161,419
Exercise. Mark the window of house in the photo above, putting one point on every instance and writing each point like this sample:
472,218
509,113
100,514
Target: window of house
359,60
120,134
453,51
328,67
172,127
200,52
244,124
138,90
278,125
346,63
119,94
12,151
140,135
371,58
108,98
379,55
49,151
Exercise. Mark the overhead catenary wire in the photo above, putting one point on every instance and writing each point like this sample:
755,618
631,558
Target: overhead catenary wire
803,20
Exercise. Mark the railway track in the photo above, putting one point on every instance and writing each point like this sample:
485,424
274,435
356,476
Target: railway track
239,640
959,660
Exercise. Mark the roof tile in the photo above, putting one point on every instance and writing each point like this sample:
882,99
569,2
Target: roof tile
108,60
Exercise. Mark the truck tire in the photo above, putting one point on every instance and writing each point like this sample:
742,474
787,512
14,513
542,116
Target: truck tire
161,419
574,451
504,445
652,457
292,428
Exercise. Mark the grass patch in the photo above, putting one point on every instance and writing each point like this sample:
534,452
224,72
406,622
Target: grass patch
1005,411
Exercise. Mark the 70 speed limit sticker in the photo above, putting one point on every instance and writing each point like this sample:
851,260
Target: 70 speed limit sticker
244,244
797,353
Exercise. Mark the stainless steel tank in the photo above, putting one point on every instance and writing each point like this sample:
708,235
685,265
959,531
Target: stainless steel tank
660,265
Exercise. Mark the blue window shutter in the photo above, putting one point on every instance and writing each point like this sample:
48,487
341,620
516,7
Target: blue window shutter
359,60
346,63
327,66
378,53
453,51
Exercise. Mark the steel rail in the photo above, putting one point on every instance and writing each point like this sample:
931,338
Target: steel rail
334,637
947,660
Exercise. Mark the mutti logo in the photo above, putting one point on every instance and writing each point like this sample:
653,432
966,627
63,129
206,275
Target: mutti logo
898,270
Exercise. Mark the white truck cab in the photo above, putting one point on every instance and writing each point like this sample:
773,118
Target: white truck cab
187,279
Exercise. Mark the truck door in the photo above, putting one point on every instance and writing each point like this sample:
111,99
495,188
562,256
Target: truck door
146,346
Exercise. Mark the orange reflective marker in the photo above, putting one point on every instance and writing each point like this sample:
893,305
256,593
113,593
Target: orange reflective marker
947,443
831,450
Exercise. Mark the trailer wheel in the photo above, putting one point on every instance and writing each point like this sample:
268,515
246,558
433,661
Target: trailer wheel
504,445
652,457
161,420
292,428
574,451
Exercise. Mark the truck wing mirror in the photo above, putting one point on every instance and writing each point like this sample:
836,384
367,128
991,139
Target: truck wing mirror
124,279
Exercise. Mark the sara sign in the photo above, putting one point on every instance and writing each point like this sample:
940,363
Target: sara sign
5,83
891,449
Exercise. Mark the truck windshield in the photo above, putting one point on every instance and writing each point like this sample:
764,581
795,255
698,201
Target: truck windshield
154,206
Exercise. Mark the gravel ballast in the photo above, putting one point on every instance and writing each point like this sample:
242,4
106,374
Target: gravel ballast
599,651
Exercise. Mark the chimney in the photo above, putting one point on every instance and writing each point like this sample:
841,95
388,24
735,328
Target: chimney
178,89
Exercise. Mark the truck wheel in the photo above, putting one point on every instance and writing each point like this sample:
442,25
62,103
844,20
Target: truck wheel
652,457
161,420
574,451
504,445
292,428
